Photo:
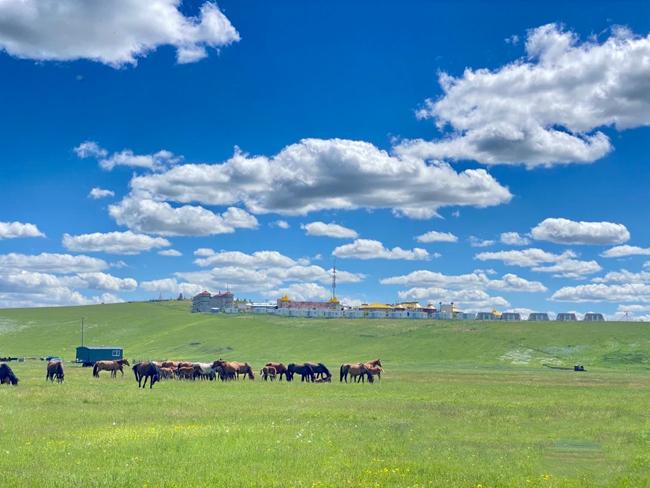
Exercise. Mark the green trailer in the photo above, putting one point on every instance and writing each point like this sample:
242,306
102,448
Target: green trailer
89,355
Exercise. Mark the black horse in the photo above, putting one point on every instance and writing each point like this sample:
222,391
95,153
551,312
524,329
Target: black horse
320,370
148,371
304,370
7,376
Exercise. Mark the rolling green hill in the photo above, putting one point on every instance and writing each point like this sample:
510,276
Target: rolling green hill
461,404
158,330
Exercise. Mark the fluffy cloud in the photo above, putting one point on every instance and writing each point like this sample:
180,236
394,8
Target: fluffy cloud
101,281
514,239
329,230
474,280
115,33
512,282
158,161
625,251
544,262
629,292
263,272
369,249
301,291
477,242
52,263
468,299
145,215
624,276
435,236
113,242
12,230
565,231
317,174
280,224
170,253
97,193
258,259
32,288
172,286
546,109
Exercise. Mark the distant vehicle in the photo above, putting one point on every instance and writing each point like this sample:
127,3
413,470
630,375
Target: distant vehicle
89,355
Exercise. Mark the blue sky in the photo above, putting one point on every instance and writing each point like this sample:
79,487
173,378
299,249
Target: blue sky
275,115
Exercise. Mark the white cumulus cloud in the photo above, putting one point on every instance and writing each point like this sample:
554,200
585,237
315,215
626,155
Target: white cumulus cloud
625,251
115,32
565,231
329,230
113,242
97,193
12,230
317,174
371,249
545,109
435,236
514,239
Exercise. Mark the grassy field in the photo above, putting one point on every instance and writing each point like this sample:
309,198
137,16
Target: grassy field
463,404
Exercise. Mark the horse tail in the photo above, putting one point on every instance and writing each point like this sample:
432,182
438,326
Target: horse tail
343,372
250,373
96,370
135,371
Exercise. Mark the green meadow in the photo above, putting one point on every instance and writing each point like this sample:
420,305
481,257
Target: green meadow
461,404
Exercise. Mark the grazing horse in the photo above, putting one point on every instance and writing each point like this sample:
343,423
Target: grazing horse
112,366
204,371
54,370
320,370
234,367
225,375
185,373
146,370
373,371
166,373
268,373
7,376
345,368
280,369
304,370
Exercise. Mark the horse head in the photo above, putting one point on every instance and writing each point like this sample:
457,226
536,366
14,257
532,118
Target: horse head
126,362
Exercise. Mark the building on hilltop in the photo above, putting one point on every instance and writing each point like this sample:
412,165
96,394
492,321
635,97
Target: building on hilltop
538,316
510,316
594,317
206,302
331,304
566,317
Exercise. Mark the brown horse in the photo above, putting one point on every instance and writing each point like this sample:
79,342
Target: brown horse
166,373
185,373
169,364
268,373
345,368
234,367
54,370
112,366
374,371
280,369
148,371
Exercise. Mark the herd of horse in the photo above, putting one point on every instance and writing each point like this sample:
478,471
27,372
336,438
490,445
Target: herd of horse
154,371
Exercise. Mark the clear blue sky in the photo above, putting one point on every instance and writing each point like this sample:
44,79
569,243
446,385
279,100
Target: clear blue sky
354,76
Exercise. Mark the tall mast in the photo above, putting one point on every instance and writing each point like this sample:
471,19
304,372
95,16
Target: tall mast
334,280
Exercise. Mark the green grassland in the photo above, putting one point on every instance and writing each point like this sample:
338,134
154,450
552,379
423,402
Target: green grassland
461,404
